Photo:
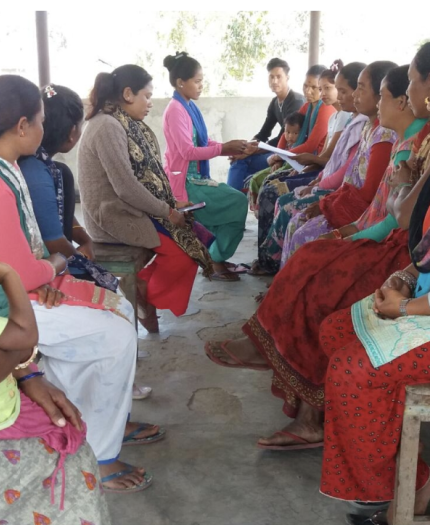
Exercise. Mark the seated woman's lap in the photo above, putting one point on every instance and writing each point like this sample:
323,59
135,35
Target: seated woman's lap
223,204
91,355
336,331
363,416
349,360
31,479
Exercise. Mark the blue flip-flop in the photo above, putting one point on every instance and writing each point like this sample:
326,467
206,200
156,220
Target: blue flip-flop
147,481
130,439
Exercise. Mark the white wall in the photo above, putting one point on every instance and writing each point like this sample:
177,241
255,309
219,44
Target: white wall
226,119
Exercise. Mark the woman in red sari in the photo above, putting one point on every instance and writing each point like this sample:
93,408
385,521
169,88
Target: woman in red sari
283,334
376,348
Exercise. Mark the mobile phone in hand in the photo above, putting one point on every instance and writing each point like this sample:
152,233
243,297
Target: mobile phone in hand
197,206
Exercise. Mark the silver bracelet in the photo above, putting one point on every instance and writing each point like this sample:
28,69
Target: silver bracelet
54,271
402,307
407,278
67,264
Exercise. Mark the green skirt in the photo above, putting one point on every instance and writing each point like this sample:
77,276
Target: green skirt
224,215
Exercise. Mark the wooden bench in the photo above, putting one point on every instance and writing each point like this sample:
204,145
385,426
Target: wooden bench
417,410
124,262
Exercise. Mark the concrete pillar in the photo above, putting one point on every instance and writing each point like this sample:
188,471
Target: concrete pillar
314,38
43,47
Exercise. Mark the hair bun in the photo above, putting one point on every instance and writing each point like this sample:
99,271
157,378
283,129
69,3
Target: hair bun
170,61
336,66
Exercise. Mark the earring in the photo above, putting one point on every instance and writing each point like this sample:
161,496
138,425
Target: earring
21,134
181,86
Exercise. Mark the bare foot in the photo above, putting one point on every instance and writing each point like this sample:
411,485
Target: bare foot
148,432
312,433
243,349
256,269
129,480
222,269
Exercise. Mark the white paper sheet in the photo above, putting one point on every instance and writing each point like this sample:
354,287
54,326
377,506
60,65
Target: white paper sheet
285,155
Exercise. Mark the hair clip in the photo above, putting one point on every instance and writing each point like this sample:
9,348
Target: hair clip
50,92
113,75
180,55
335,66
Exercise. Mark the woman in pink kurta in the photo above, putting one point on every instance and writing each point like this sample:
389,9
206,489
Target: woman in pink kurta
187,164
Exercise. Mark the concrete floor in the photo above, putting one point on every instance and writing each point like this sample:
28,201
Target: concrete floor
208,471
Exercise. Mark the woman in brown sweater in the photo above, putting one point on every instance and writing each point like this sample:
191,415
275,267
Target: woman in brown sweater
126,196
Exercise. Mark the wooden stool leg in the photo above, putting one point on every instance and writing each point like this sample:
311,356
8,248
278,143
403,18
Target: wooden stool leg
406,475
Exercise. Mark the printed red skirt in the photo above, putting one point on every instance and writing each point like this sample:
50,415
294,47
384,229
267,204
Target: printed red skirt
319,279
364,412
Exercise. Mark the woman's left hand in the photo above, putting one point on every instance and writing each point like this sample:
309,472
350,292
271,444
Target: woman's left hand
53,401
87,250
183,204
326,236
49,296
313,210
306,191
387,302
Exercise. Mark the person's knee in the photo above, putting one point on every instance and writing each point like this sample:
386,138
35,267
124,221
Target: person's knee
242,205
237,173
126,335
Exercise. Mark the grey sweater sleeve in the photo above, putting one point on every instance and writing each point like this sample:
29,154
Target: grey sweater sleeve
110,144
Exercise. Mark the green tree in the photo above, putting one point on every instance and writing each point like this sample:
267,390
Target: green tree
186,21
245,43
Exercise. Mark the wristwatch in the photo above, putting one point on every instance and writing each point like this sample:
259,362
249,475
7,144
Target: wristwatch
402,307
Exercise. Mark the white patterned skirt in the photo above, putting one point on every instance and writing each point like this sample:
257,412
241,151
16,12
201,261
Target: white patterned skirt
26,468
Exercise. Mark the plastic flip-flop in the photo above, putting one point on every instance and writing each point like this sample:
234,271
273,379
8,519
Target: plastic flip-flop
238,268
237,362
131,439
301,445
221,276
147,481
